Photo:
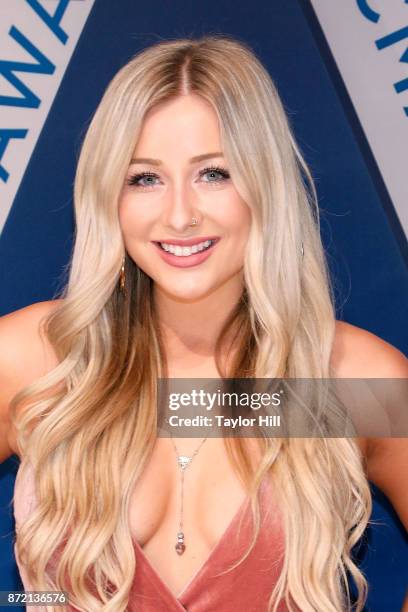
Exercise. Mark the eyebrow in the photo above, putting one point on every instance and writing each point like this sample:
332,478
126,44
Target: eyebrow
158,162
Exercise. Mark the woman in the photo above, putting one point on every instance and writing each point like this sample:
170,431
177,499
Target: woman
197,254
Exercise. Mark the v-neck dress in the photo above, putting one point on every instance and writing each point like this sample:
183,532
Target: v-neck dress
214,587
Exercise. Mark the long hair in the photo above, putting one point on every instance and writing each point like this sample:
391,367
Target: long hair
88,427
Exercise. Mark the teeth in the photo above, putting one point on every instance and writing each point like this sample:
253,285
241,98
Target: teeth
185,251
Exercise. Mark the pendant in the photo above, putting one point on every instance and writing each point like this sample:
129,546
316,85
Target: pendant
183,461
180,546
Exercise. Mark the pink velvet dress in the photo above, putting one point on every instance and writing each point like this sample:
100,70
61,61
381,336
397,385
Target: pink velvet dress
246,588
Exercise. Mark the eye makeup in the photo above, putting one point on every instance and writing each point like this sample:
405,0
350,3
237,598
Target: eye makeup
134,179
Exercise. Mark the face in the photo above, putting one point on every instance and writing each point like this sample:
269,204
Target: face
178,172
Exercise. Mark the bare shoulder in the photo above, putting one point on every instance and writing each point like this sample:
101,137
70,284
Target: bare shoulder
25,355
358,353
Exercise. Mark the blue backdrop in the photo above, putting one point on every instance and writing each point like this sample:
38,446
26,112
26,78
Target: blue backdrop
363,239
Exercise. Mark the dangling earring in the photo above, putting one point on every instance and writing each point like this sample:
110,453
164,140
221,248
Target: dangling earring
302,250
122,277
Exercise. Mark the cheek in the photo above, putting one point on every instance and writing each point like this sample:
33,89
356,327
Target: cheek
133,220
237,217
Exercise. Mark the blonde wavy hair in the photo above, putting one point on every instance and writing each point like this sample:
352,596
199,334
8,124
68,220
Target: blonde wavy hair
88,427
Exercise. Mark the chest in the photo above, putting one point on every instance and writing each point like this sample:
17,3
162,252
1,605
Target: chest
213,495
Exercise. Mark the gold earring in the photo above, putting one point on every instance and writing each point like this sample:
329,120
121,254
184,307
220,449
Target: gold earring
122,277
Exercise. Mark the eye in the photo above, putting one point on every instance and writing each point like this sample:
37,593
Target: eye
213,171
135,178
215,174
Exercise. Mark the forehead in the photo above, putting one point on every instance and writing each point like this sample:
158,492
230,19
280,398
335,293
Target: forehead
187,122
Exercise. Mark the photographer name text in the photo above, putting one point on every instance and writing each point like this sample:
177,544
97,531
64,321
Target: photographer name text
222,421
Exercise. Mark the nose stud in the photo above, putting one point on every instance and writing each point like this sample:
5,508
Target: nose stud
194,221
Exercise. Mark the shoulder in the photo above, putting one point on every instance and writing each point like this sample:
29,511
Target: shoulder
25,356
358,353
23,342
28,317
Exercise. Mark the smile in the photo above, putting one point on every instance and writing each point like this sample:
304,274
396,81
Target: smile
185,256
186,251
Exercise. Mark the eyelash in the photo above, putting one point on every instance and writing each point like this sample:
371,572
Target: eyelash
132,181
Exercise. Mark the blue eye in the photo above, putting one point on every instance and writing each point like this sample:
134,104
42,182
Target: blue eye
135,178
214,170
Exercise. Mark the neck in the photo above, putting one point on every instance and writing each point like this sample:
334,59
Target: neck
191,329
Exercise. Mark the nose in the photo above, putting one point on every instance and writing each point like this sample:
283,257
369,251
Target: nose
180,210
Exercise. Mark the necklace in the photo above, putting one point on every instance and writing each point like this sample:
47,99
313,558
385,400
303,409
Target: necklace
183,461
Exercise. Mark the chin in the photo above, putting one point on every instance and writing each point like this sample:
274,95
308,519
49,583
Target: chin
186,294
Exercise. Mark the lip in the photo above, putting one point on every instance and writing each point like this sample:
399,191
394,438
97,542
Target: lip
188,241
190,260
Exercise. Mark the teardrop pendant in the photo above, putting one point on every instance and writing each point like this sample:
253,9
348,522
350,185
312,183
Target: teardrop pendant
180,546
183,462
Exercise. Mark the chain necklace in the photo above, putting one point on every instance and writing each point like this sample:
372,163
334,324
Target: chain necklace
183,461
